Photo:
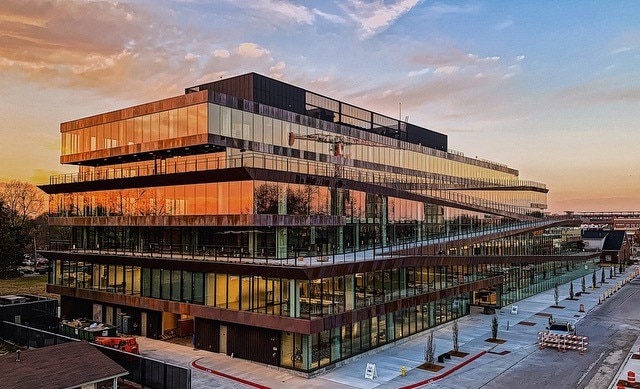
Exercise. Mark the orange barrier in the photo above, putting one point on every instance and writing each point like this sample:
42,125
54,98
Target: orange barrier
631,376
563,342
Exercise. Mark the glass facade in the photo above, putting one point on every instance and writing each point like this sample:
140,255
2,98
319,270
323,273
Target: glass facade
229,180
325,297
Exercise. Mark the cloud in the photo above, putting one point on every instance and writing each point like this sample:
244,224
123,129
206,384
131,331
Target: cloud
330,17
278,67
278,11
620,50
63,32
251,50
439,9
446,69
221,53
191,57
117,50
503,25
101,45
376,16
606,90
420,72
450,57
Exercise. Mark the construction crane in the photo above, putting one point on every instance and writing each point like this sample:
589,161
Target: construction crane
338,143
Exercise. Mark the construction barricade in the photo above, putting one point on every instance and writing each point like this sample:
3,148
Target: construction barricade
563,342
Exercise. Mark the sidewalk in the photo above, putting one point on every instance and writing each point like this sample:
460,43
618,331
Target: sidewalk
484,359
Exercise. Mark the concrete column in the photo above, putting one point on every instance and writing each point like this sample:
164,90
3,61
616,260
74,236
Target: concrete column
350,292
281,242
403,281
391,328
306,352
253,243
294,299
383,221
336,343
340,239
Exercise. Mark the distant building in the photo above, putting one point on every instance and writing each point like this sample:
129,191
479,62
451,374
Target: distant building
34,311
615,248
66,365
594,239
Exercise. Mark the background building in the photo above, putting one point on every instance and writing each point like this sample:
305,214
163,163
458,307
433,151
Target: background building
288,227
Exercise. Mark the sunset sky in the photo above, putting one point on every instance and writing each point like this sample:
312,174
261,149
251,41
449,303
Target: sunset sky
551,88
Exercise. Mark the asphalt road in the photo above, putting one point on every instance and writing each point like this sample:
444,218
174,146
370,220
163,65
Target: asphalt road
612,329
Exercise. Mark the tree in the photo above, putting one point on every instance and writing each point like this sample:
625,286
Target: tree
25,201
602,277
593,279
571,295
611,272
556,294
584,285
494,327
20,204
429,349
266,198
455,336
12,243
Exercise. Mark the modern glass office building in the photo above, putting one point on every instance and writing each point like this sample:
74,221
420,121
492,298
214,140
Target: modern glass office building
287,227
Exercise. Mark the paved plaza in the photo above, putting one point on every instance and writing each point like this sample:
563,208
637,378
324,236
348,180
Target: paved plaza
484,360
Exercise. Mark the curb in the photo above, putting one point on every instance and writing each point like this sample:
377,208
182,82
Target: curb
221,374
432,379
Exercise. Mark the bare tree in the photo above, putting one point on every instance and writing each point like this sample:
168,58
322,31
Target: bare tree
571,294
556,295
429,349
584,285
25,201
494,327
455,336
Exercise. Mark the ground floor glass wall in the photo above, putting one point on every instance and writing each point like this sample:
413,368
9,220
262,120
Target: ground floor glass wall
310,352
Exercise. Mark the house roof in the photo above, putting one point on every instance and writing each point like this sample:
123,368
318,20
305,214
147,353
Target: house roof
594,234
613,241
64,365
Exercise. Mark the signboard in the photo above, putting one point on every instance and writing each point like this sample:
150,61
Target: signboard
514,309
370,372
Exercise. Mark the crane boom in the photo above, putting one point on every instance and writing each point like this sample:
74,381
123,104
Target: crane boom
338,141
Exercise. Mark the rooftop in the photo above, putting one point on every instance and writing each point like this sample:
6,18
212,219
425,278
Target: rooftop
64,365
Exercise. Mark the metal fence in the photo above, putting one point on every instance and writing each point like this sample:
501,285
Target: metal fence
147,372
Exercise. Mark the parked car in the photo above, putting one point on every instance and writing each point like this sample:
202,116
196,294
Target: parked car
25,270
28,261
42,261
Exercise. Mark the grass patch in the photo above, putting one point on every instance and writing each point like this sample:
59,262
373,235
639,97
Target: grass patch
32,284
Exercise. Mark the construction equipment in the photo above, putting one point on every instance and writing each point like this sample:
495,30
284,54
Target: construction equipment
128,344
337,142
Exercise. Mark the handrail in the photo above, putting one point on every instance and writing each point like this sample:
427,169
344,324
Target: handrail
236,254
334,170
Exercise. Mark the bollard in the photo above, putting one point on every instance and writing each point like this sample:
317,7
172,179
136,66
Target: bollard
581,308
507,325
403,371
